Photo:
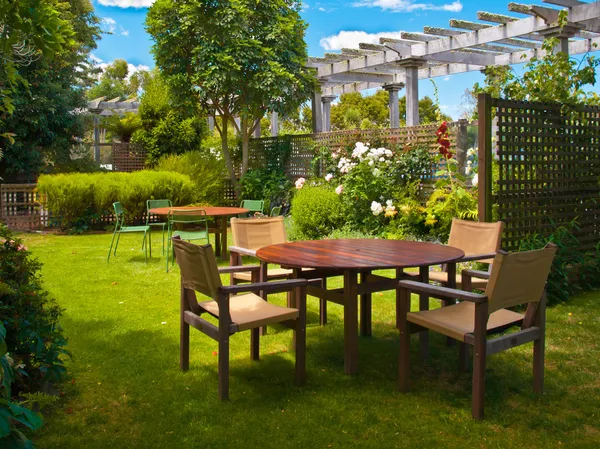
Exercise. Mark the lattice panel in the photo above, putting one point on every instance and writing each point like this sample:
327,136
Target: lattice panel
302,147
128,157
20,207
549,170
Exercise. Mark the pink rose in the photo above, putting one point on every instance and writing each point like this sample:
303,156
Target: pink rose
300,183
339,189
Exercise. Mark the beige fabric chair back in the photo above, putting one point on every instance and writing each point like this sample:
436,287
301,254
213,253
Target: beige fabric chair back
198,267
476,237
518,278
254,233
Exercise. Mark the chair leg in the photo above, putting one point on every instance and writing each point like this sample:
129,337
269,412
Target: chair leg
403,307
224,367
539,347
323,305
463,357
150,242
300,336
111,246
184,345
254,344
117,243
479,355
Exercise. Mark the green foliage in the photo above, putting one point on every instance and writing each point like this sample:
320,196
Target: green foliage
573,270
316,211
76,200
409,223
555,77
239,58
122,128
32,346
262,184
450,199
167,127
113,82
355,111
206,171
44,122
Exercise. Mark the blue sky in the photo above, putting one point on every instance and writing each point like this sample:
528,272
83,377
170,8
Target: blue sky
331,25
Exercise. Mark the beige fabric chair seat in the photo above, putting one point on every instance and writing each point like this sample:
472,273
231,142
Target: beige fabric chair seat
250,311
459,319
442,278
272,273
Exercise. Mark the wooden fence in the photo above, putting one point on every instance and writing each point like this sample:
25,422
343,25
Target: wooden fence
548,168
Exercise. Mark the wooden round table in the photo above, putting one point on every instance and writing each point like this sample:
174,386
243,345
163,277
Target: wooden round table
220,214
349,257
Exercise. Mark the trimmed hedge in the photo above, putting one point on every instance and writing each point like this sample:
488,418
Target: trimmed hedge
77,199
317,211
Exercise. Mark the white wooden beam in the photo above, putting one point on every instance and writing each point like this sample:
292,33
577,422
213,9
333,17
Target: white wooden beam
350,77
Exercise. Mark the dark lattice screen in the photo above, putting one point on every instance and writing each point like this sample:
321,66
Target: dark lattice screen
549,169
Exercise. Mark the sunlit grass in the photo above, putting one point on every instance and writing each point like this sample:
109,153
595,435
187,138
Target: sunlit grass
126,390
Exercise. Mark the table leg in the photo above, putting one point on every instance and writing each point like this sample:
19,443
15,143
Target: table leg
217,237
291,297
365,308
399,276
424,305
350,321
224,237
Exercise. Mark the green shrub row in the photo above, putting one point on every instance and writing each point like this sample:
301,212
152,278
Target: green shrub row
75,200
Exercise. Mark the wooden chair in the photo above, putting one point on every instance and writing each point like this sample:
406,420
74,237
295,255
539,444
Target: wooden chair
235,312
516,278
479,240
249,235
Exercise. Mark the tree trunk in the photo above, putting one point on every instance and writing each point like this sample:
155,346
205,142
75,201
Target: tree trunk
226,154
245,140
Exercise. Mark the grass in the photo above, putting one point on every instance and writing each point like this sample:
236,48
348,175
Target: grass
126,391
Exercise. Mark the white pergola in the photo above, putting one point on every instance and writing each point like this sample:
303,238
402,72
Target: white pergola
495,40
103,107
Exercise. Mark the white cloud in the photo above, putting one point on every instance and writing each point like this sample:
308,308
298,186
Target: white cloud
351,39
447,78
109,26
409,5
127,3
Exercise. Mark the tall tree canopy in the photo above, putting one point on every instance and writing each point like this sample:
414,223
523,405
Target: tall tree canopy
45,119
117,82
240,58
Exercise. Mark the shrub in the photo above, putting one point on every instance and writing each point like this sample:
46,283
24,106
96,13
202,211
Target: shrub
206,170
573,270
271,186
76,200
32,346
317,211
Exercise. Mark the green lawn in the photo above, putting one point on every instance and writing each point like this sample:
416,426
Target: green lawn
126,391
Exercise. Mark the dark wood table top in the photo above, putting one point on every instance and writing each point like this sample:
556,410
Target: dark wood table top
210,210
358,254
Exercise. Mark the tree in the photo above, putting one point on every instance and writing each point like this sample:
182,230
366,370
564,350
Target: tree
239,58
167,127
114,82
30,30
45,120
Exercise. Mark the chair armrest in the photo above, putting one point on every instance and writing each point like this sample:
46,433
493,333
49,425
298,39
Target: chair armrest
476,274
269,287
442,292
244,251
477,257
239,269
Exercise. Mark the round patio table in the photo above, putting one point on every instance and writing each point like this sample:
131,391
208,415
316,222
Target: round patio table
349,257
220,214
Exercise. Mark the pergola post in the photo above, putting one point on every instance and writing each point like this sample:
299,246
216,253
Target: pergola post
317,111
411,74
274,124
563,34
326,100
393,89
96,138
211,123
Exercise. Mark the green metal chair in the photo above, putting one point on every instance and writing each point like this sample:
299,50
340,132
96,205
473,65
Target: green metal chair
276,211
151,204
186,218
120,228
252,206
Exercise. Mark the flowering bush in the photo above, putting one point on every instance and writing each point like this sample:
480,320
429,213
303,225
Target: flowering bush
316,211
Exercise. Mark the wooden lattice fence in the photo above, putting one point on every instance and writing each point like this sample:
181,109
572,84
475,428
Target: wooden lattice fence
548,169
20,207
